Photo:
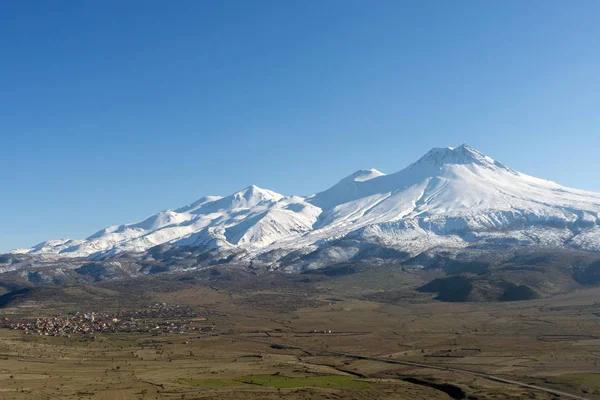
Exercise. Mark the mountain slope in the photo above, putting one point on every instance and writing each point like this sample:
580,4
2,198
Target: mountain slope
450,198
456,198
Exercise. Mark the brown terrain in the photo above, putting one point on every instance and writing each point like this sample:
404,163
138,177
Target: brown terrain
359,334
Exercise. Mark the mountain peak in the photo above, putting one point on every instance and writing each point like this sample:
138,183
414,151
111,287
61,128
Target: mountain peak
253,195
346,188
254,190
364,175
247,197
463,154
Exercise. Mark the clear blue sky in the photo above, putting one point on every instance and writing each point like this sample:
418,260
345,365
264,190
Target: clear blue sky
111,111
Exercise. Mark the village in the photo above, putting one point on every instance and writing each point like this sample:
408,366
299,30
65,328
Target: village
159,318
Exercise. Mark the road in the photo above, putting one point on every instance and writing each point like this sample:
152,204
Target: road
437,367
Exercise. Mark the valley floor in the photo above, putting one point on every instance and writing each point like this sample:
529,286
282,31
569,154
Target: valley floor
306,344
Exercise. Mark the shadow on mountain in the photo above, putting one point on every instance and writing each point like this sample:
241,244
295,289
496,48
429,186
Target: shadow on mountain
589,275
453,391
14,297
451,289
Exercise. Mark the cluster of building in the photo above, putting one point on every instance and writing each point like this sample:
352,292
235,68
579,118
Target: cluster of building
156,319
316,331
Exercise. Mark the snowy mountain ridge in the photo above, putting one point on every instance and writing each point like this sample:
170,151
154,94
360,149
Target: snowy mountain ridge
449,198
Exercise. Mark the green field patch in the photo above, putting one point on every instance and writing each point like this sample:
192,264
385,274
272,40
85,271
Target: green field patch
331,381
209,383
284,382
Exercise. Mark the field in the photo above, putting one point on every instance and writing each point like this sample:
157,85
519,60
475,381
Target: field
363,335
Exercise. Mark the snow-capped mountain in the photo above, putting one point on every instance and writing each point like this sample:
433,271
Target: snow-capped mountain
451,197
